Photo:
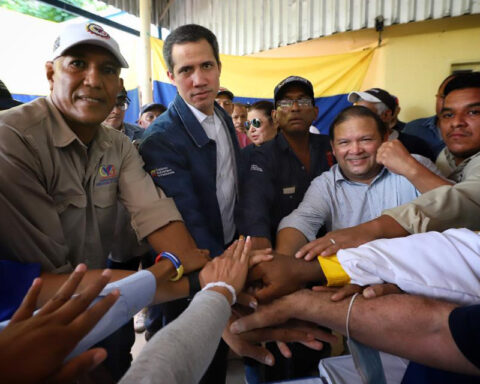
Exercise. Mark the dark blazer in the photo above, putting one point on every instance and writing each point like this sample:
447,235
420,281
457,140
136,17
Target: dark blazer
183,161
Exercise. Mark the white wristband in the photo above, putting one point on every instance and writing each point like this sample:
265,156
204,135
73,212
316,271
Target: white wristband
224,285
347,322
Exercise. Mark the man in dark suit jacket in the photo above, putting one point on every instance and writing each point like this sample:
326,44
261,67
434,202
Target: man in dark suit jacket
191,151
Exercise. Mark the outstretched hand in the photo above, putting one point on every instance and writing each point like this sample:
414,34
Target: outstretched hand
42,341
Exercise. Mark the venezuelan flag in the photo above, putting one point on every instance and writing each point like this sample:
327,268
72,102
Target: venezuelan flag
254,78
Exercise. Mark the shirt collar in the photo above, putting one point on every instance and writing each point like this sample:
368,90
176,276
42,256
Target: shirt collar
199,115
63,135
339,177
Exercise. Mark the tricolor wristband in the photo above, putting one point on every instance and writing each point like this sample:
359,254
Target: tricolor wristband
175,261
223,285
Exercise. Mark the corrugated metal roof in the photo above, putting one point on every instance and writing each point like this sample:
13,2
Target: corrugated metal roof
249,26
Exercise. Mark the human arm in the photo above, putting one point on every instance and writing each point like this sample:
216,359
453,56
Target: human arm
41,342
182,351
283,275
418,170
289,241
408,326
257,193
175,168
382,227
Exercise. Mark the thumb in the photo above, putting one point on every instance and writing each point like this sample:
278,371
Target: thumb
78,366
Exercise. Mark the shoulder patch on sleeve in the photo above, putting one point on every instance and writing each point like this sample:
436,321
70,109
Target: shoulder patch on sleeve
160,172
255,167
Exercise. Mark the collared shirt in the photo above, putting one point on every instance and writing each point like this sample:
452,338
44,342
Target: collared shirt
59,197
336,202
446,206
225,174
276,182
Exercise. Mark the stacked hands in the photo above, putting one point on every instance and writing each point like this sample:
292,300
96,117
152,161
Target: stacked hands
275,281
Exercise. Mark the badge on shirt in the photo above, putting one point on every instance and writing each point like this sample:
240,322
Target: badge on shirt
108,174
160,172
255,167
289,190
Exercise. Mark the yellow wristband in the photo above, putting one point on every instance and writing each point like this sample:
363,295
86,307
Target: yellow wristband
333,271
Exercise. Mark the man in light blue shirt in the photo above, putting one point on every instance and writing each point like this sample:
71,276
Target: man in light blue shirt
372,175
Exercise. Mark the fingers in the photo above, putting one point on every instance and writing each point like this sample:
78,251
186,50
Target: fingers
79,366
380,290
323,247
346,291
66,290
262,318
284,350
89,318
29,302
244,257
259,258
248,349
314,344
82,300
247,300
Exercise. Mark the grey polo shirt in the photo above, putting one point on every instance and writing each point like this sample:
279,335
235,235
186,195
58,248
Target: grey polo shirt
58,197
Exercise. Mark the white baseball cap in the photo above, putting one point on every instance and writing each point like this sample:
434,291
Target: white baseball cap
86,33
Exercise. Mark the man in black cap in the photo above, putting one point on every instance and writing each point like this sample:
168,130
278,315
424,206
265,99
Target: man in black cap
385,105
225,100
6,99
279,173
281,170
148,113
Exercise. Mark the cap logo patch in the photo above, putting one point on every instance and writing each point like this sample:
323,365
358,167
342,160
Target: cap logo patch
56,44
97,30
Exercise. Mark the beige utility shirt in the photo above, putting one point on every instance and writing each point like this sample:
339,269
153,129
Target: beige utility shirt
445,207
58,197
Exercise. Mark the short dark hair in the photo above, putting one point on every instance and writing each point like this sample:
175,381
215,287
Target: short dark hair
263,105
238,104
462,81
189,33
357,111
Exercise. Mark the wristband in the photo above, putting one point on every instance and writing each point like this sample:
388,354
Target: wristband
175,261
223,285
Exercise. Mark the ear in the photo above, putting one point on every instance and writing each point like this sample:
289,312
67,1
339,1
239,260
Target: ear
50,70
219,67
333,148
274,115
171,77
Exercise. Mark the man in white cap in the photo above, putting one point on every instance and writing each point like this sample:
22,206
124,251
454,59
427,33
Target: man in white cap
386,106
62,172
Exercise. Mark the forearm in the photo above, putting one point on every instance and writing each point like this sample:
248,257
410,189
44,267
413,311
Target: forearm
289,241
408,326
383,227
260,243
173,237
422,178
181,352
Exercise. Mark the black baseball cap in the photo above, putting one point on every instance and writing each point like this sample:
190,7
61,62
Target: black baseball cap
375,95
292,80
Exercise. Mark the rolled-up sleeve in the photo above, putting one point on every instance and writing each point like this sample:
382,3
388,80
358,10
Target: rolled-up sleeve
312,212
444,207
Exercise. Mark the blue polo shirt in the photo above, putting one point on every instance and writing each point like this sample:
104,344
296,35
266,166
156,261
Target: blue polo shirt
275,182
15,280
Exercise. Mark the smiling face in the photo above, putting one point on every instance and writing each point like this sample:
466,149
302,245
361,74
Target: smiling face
196,74
295,119
355,146
84,83
460,122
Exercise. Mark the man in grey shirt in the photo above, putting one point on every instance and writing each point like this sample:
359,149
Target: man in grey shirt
372,174
359,187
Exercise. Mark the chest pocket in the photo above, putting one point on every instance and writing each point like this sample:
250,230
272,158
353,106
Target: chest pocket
105,196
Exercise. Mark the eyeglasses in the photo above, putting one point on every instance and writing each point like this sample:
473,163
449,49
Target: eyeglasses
254,122
288,103
123,105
